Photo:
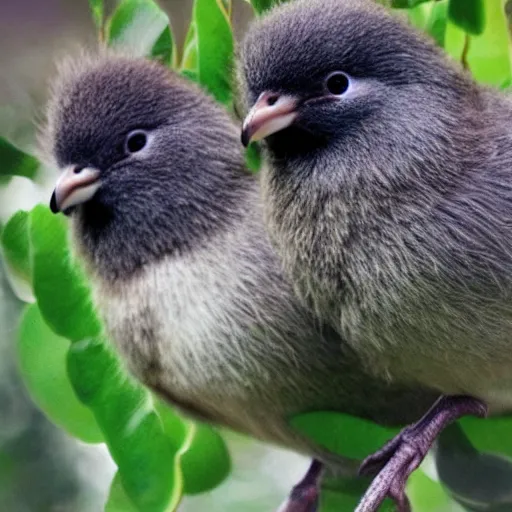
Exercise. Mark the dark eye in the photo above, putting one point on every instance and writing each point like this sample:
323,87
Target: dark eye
135,141
337,83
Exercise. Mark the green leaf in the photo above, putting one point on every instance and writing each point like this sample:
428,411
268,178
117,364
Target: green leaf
174,426
426,16
206,462
42,363
253,157
491,435
59,285
407,4
164,49
335,501
260,6
332,501
141,27
344,493
204,458
15,244
418,16
118,501
124,410
437,21
97,11
427,495
189,62
488,55
14,162
214,41
469,15
506,83
345,435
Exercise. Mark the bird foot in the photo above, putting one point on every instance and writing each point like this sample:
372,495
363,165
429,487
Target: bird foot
404,453
304,495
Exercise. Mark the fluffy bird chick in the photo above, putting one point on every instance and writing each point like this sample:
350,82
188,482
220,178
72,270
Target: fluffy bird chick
170,227
388,192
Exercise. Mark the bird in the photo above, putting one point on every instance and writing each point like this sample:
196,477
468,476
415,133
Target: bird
168,225
387,192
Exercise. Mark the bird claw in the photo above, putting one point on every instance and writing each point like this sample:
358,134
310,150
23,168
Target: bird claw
304,496
397,489
378,460
402,459
402,502
305,500
403,454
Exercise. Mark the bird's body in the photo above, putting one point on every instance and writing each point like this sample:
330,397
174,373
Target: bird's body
419,277
219,333
388,196
395,221
185,277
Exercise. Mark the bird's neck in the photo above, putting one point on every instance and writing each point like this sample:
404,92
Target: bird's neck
117,242
348,227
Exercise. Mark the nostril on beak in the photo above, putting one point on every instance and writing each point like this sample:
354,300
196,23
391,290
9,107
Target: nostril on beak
272,100
78,169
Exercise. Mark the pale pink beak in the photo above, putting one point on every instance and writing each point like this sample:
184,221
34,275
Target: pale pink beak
76,185
270,114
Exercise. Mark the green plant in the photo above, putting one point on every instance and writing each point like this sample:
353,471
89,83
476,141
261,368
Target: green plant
70,370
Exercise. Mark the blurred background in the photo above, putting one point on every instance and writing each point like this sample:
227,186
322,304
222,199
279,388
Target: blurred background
42,469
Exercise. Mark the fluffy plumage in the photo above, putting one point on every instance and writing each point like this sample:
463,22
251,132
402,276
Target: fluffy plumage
191,291
391,204
388,195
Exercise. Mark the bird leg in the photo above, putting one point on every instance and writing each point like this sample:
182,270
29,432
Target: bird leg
404,453
304,495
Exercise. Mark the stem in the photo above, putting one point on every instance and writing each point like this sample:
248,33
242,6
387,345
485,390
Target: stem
465,51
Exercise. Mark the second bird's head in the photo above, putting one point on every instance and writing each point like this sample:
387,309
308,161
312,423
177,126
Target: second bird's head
147,160
323,76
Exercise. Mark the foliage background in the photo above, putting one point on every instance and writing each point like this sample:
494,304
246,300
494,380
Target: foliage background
42,467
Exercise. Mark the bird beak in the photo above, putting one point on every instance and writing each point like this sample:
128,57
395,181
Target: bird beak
76,185
270,114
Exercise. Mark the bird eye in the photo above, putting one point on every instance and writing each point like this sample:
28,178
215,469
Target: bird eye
135,141
337,83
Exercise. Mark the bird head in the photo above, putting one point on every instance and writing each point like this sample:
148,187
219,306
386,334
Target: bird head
147,160
324,75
